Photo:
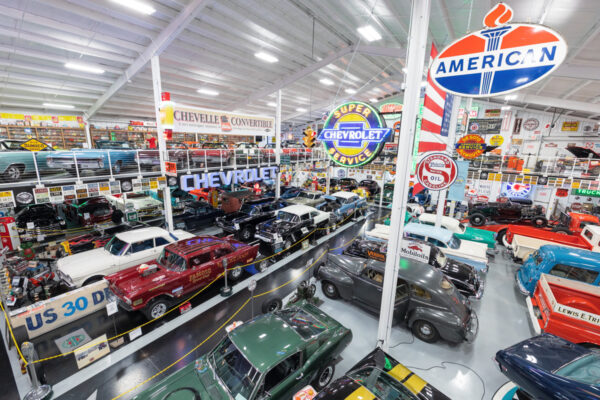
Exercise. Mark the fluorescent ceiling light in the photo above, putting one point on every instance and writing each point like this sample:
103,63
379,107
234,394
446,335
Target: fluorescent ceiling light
266,57
510,97
300,109
506,107
208,92
54,105
136,5
350,91
326,81
373,100
369,33
272,104
84,68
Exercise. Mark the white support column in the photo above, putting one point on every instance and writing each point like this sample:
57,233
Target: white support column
278,144
162,147
416,57
328,175
88,135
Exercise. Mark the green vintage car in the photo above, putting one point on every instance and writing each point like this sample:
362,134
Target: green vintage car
462,231
388,194
17,162
269,357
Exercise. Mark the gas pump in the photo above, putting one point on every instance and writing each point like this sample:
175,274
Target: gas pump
9,236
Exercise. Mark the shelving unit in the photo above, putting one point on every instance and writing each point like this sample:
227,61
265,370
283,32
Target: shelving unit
62,138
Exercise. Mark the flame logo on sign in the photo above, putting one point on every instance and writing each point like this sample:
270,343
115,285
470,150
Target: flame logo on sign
498,15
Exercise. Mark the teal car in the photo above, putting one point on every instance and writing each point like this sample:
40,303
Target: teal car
17,162
462,231
272,356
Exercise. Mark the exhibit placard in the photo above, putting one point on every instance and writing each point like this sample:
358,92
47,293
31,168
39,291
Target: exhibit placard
415,250
92,351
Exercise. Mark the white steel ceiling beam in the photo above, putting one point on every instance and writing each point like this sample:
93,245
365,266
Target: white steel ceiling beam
558,103
578,72
575,89
177,25
447,22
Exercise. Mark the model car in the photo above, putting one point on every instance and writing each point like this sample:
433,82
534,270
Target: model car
292,223
460,230
91,211
178,153
180,268
17,162
370,185
348,184
145,206
121,155
289,192
243,223
425,300
471,253
344,204
196,215
506,212
308,198
576,264
124,250
463,276
39,219
269,357
380,376
547,367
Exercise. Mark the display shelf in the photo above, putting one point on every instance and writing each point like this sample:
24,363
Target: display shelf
58,137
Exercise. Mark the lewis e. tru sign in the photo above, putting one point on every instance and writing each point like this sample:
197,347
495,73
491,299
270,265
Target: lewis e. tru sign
226,178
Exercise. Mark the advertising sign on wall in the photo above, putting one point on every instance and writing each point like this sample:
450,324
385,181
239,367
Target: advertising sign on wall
235,177
7,199
456,191
491,113
485,126
436,171
470,146
570,126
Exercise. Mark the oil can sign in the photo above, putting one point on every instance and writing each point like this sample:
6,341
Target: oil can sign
437,171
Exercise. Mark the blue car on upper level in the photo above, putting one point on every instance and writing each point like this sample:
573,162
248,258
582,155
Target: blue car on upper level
547,367
564,262
344,204
116,154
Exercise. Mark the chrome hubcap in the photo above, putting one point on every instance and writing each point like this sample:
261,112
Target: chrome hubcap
325,376
425,330
158,310
13,172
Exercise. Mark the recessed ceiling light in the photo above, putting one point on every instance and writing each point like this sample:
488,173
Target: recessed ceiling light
373,100
84,68
136,5
350,91
369,33
506,107
266,57
272,104
326,81
208,92
54,105
510,97
300,109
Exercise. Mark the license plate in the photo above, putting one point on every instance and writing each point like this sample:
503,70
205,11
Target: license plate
88,165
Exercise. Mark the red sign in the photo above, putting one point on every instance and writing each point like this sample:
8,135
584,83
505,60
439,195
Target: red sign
470,146
306,393
170,168
437,171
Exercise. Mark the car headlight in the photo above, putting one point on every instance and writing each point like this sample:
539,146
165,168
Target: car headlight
101,163
127,300
236,225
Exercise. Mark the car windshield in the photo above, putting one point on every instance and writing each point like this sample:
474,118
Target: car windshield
171,261
247,208
306,195
286,216
233,369
116,246
113,145
379,383
585,369
305,324
454,242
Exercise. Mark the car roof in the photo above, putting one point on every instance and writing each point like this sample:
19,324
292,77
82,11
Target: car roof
266,340
427,230
571,255
415,272
313,192
136,235
428,217
298,209
345,195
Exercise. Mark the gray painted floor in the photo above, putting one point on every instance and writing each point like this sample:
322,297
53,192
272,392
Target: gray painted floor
503,321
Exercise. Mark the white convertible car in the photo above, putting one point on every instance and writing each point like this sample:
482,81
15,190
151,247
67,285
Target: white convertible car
124,250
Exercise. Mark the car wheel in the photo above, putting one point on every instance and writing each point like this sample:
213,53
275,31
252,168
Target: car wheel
425,331
540,221
272,306
500,236
91,280
13,173
477,219
156,308
312,290
263,266
235,273
246,233
330,290
324,376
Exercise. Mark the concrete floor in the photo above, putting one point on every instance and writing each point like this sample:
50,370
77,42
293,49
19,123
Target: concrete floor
503,321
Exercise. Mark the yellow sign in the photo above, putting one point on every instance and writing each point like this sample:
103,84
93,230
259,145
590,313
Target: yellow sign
496,140
34,145
571,126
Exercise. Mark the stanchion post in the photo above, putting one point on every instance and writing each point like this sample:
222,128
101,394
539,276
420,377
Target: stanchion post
226,290
38,391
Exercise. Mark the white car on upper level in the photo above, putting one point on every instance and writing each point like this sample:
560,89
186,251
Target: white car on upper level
124,250
145,206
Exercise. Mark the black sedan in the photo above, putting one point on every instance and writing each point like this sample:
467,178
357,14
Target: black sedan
370,185
348,184
196,215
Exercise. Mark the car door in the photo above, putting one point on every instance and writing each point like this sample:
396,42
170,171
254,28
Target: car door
285,379
201,271
402,298
368,288
138,253
219,254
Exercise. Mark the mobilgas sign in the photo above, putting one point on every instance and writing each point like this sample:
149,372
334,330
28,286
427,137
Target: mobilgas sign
499,59
233,177
354,134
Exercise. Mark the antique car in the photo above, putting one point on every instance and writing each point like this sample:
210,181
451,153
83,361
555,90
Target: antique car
90,211
566,308
124,250
120,154
547,367
576,264
196,215
422,198
334,184
269,357
344,204
232,201
370,185
243,223
39,219
506,212
178,197
211,153
388,194
145,206
348,184
17,162
380,376
463,276
471,253
181,268
308,198
178,153
292,224
460,230
289,192
425,300
246,152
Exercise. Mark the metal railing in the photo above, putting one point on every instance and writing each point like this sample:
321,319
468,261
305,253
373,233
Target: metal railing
569,167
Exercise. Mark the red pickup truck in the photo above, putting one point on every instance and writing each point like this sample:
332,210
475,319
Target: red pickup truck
182,268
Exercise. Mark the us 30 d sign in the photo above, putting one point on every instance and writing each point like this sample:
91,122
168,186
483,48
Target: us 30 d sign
437,171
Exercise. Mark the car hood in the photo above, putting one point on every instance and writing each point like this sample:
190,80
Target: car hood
480,234
234,217
351,264
85,263
459,270
136,283
276,225
470,249
302,201
78,153
581,152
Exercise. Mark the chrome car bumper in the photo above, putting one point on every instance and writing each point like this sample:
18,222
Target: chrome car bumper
522,288
472,328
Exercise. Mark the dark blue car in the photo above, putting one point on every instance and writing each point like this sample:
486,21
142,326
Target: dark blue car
289,192
547,367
